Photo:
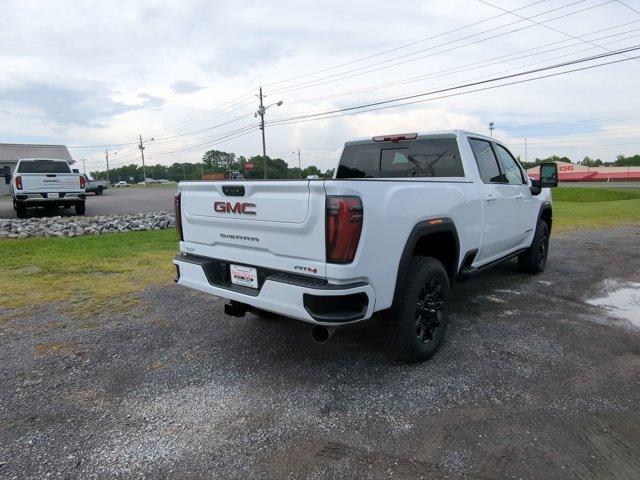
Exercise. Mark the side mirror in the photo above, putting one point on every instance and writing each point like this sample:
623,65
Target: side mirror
548,178
548,175
75,170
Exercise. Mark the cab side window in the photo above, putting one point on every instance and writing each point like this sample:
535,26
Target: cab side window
511,171
486,160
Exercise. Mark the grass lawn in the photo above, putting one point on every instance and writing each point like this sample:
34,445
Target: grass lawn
90,272
106,272
576,208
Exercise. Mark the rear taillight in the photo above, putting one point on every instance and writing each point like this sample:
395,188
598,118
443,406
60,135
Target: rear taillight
343,227
177,214
19,182
82,182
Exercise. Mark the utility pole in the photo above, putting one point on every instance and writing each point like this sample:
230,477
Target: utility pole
261,111
526,157
106,156
144,169
299,163
491,127
84,166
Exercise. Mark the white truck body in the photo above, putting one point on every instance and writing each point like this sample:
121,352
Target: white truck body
279,228
96,186
46,182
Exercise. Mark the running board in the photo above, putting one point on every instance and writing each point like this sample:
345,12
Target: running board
468,271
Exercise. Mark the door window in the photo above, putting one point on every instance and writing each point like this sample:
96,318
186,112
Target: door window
511,171
486,160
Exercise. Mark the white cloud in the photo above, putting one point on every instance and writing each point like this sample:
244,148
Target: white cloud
103,72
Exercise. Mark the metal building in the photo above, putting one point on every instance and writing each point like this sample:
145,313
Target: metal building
10,153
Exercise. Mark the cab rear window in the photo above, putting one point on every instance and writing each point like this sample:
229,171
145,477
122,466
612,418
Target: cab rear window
437,157
43,166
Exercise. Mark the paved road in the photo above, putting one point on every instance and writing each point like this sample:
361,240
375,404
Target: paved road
113,200
531,382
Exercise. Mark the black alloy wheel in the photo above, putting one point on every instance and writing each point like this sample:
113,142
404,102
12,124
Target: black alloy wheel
429,310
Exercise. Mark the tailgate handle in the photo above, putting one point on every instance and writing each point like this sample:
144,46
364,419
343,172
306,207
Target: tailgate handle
233,190
51,175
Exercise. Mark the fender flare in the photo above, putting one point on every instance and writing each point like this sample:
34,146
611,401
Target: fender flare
419,231
544,207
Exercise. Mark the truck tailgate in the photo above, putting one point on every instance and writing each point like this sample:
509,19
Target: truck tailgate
50,182
273,224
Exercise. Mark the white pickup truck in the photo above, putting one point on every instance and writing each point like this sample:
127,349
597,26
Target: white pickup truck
96,186
405,216
48,183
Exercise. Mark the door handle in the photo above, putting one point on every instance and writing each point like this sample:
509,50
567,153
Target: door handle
491,198
519,196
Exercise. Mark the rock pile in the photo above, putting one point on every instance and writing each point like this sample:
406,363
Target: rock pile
76,226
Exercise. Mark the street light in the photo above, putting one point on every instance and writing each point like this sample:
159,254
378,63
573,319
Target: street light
261,111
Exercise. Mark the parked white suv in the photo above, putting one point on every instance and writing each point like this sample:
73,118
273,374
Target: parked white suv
48,183
404,217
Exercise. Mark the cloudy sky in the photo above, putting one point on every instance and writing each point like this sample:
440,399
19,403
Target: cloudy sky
185,73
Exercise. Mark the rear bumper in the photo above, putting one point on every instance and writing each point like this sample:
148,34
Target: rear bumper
35,199
297,296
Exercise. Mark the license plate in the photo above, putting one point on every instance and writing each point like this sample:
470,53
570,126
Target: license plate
245,276
53,195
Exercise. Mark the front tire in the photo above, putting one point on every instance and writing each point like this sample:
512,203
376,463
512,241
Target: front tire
99,190
80,208
420,319
534,259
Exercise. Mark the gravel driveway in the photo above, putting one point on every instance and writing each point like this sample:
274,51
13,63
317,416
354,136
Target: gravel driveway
532,382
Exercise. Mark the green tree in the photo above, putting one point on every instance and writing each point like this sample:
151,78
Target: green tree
589,162
218,161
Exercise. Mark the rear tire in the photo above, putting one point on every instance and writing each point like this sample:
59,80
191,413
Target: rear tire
420,319
534,259
80,208
21,210
99,190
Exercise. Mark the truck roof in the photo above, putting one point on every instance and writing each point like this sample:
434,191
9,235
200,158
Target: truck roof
434,133
47,159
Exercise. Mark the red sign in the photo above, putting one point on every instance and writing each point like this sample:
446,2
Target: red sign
566,168
248,166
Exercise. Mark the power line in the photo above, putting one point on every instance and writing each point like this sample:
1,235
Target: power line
162,139
548,27
406,45
358,71
477,64
208,112
630,8
567,122
481,82
192,147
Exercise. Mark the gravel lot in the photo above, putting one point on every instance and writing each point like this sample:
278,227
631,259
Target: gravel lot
113,200
532,382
